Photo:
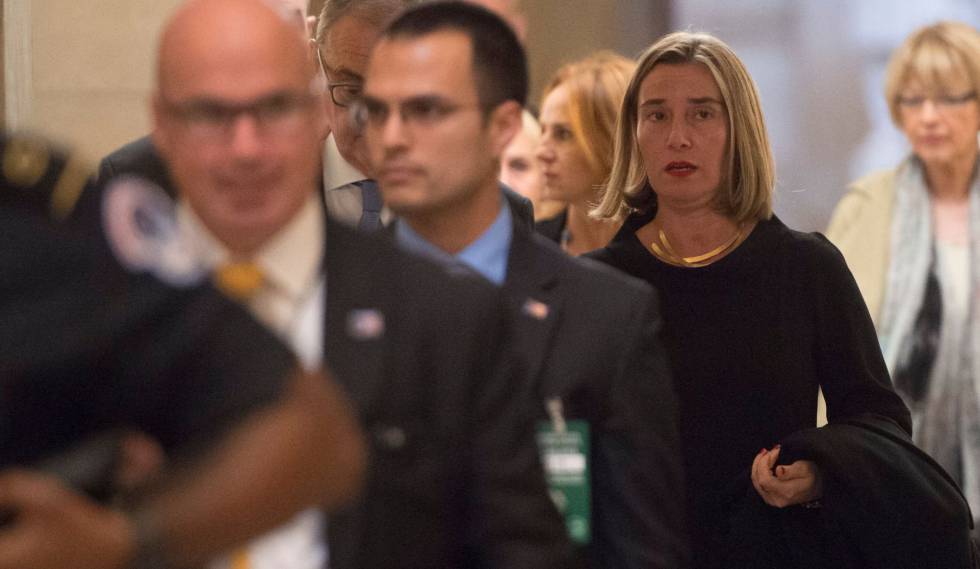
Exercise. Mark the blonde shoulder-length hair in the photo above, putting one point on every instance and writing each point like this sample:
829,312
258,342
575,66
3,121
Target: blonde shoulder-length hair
746,189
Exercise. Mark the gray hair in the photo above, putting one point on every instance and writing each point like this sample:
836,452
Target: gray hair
379,12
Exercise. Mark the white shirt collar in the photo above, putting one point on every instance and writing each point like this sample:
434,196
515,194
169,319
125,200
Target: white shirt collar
337,172
290,260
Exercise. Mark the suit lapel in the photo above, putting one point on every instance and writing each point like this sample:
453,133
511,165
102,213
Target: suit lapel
532,284
357,314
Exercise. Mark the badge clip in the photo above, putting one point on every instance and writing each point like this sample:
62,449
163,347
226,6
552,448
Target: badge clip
555,411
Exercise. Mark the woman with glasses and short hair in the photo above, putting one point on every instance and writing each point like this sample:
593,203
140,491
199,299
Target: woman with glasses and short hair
911,235
758,318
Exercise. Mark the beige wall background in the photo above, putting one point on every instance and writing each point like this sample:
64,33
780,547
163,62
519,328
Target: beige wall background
561,31
81,71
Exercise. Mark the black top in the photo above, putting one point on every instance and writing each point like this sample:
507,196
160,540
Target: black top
750,339
553,227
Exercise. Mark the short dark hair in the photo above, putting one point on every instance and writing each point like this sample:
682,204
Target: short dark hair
499,63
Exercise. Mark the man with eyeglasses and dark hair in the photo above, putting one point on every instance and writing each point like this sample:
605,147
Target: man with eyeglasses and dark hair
346,31
443,95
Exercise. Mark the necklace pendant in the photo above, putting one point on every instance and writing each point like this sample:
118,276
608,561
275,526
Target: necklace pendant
669,255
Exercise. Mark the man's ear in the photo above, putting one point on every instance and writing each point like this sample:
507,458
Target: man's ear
310,26
320,116
505,123
312,44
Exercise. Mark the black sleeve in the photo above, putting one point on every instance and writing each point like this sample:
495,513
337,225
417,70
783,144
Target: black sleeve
194,362
895,506
86,347
850,366
638,476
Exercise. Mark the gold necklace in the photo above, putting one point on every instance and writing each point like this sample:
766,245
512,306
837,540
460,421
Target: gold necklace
668,254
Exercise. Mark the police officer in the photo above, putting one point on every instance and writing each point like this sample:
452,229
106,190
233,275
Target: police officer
88,347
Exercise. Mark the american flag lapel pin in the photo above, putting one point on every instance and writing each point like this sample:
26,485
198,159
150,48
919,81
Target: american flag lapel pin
536,309
365,324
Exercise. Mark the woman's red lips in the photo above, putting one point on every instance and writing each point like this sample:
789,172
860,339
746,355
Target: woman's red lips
680,168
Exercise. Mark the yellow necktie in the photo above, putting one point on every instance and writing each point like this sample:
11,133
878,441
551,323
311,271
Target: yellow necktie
239,280
239,560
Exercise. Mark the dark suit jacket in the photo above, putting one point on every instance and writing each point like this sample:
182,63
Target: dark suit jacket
521,206
454,479
599,349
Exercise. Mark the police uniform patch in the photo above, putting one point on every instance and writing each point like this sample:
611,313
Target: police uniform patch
141,227
25,160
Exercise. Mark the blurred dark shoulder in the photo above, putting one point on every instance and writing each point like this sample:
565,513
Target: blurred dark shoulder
137,157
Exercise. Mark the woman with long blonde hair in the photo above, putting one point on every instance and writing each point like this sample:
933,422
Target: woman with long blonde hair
757,319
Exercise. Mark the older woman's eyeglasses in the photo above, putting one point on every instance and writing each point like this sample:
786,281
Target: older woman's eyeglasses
942,102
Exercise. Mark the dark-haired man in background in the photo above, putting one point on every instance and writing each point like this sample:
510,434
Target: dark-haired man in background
442,97
346,30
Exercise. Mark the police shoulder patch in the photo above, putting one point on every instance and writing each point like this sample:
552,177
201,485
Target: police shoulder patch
141,227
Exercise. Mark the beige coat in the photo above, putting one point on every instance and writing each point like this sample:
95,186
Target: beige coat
861,228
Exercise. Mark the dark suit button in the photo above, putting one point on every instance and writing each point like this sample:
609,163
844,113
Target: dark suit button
392,438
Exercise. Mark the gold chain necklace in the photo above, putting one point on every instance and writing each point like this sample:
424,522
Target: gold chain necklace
668,254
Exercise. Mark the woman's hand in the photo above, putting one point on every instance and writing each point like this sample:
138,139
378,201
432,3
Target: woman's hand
790,484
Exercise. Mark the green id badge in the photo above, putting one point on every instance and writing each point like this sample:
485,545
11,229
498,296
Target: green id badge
564,447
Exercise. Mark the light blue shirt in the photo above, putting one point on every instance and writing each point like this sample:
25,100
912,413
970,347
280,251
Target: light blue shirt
487,255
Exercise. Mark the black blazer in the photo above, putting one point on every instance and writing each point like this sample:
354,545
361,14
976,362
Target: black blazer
598,348
454,479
